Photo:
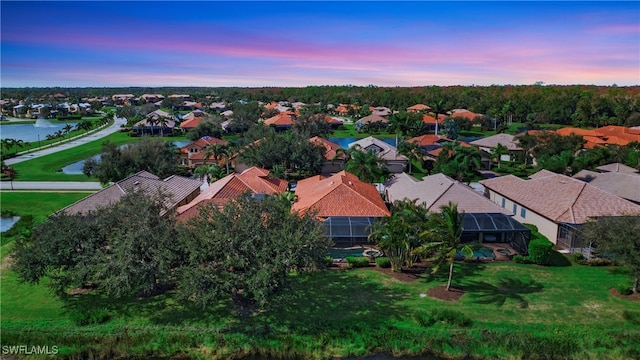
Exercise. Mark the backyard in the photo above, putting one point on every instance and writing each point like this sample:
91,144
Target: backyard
507,311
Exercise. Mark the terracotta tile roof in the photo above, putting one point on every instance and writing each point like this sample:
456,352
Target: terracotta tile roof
342,194
329,146
418,107
191,123
254,180
608,135
177,188
202,143
429,139
560,198
428,119
282,119
507,140
437,190
332,120
464,113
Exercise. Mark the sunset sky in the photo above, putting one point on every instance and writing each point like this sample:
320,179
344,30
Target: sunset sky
215,43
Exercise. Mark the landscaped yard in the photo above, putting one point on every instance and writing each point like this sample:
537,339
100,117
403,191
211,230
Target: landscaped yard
515,310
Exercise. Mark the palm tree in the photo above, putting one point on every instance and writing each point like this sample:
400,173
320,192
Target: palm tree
498,151
438,108
67,128
443,238
214,151
211,172
163,122
410,150
366,165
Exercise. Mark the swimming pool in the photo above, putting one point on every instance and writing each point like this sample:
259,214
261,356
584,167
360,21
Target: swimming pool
341,253
482,253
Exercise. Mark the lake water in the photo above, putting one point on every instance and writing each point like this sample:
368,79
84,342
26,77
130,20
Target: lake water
76,167
344,142
30,132
7,222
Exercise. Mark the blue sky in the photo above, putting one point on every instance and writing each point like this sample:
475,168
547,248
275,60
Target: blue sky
268,43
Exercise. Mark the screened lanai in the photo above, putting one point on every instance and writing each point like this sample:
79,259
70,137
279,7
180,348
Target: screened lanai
495,228
348,231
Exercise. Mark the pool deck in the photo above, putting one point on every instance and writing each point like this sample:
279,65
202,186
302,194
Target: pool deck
498,255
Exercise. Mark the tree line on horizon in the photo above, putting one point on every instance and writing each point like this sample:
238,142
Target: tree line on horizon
577,105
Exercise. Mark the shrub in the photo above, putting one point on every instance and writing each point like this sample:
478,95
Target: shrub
623,289
577,257
540,251
452,317
327,261
357,261
595,262
383,262
90,317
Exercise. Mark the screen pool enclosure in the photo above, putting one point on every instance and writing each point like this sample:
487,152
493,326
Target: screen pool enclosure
348,231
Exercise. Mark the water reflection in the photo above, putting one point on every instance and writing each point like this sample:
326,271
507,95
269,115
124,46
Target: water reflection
32,132
7,222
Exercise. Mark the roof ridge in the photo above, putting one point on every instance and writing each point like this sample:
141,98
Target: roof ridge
441,194
573,217
362,196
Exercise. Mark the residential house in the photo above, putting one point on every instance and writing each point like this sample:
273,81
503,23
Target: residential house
192,120
432,124
156,122
607,135
380,111
557,204
430,144
484,220
254,180
346,206
282,121
371,119
150,98
178,190
122,99
464,113
623,184
393,160
217,106
617,167
195,154
334,161
418,108
489,143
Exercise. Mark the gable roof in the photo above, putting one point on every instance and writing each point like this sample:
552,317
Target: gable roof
560,198
191,123
617,167
177,188
507,140
202,143
330,147
428,119
371,119
254,179
429,139
437,190
607,135
418,107
342,194
387,151
624,185
464,113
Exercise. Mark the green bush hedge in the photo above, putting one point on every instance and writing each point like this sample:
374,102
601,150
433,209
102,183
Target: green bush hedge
328,261
452,317
357,261
596,262
90,317
623,289
383,262
540,251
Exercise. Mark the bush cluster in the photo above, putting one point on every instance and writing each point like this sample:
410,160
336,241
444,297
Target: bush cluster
357,261
623,289
328,261
577,257
521,259
452,317
540,251
383,262
90,317
596,262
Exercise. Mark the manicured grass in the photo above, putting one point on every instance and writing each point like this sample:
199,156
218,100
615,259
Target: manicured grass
349,131
38,204
516,311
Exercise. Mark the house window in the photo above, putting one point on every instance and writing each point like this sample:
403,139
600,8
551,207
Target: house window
523,213
504,203
515,209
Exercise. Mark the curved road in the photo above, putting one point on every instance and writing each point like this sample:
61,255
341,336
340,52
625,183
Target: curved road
60,185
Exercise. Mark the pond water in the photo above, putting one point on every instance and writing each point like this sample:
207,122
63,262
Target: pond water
30,132
7,222
76,167
344,142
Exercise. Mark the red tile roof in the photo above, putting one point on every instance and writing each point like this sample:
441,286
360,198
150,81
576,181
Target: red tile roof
429,139
342,194
560,198
255,180
191,123
330,147
608,135
427,119
418,107
465,114
283,118
202,143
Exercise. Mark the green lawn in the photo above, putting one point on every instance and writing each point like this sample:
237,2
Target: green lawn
517,311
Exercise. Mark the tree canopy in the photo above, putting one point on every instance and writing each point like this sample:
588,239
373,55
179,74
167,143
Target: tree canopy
116,163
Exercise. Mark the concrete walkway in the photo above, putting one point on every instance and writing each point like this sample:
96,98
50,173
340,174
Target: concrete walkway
115,127
51,185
